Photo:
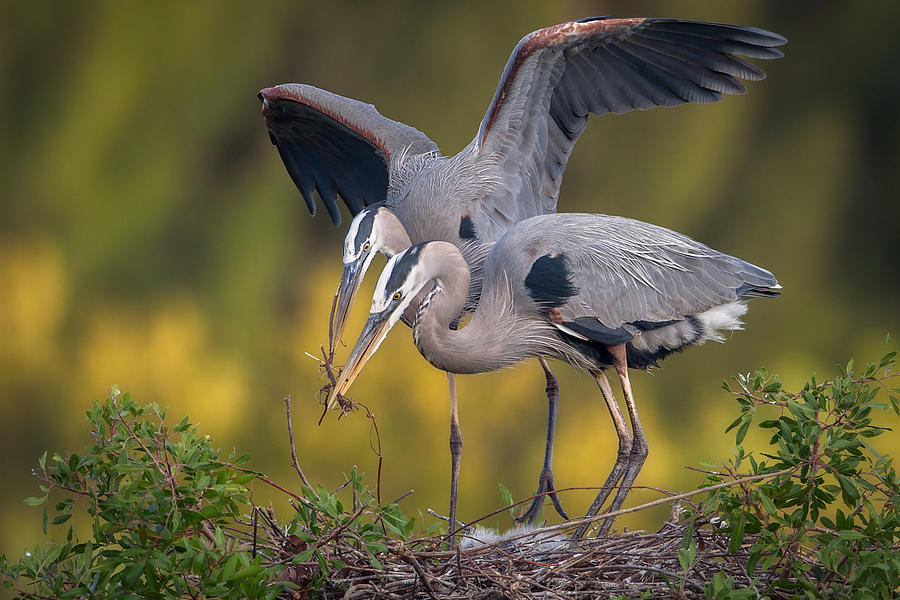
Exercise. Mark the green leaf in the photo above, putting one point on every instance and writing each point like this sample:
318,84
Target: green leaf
35,500
248,571
734,424
767,503
60,519
507,497
686,556
231,566
848,490
785,429
133,572
737,535
742,430
303,556
688,535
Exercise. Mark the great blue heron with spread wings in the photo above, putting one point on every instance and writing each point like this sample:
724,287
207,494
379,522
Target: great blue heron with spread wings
512,170
591,290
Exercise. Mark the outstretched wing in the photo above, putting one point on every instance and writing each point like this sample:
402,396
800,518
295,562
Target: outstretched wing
335,145
559,75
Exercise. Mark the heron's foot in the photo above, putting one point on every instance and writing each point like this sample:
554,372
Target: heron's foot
546,488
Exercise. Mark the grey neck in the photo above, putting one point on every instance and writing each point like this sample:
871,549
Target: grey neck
395,239
494,338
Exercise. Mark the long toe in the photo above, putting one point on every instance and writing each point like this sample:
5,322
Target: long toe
535,508
557,504
546,487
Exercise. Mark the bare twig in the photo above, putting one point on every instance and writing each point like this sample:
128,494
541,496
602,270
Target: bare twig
400,550
290,428
376,448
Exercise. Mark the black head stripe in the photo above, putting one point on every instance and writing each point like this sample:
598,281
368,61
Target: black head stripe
549,282
365,227
402,267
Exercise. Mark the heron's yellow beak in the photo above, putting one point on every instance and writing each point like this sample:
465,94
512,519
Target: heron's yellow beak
351,281
375,330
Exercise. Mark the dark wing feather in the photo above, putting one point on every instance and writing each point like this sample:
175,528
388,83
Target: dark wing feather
559,75
336,146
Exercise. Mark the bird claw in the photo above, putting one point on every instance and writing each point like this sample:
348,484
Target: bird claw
546,487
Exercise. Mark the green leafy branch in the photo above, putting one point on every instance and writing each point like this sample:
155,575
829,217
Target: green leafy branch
830,523
172,517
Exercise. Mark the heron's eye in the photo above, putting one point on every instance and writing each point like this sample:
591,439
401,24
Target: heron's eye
397,295
366,246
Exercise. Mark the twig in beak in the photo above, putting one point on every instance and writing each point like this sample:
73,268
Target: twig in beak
326,365
331,327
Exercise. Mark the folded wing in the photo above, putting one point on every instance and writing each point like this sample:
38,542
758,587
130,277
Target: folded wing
616,271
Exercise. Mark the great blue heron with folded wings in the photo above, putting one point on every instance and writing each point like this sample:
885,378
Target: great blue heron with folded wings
402,190
591,290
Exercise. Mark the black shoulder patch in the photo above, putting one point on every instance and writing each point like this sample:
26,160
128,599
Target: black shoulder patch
467,228
549,281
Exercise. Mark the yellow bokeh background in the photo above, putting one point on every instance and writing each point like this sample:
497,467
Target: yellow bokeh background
150,237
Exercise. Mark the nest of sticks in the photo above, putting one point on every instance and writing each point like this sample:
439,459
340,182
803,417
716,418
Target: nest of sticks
531,564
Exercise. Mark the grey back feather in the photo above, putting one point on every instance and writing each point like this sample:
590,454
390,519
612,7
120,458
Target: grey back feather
624,270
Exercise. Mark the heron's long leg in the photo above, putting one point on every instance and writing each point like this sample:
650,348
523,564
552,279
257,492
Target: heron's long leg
639,449
545,481
455,453
623,457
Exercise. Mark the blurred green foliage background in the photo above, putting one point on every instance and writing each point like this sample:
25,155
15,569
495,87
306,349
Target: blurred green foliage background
150,237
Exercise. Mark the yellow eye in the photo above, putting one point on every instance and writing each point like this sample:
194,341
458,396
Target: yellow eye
366,246
397,296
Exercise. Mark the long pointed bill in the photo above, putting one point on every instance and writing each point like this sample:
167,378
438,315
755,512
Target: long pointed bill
351,281
375,330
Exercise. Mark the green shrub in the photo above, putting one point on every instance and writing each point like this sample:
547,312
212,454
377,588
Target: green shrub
827,523
171,518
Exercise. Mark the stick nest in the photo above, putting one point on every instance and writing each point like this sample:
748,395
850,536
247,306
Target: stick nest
629,565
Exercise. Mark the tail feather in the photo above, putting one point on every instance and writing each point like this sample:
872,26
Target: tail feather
751,291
